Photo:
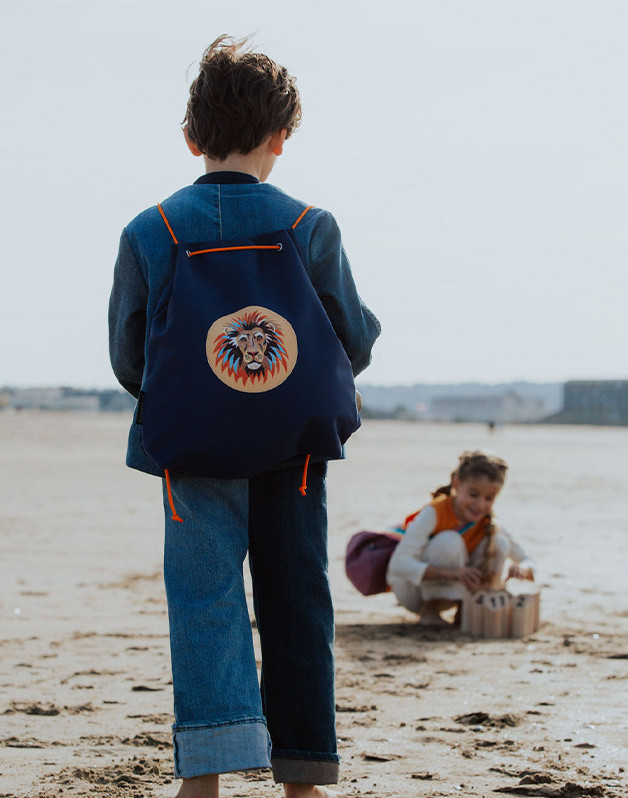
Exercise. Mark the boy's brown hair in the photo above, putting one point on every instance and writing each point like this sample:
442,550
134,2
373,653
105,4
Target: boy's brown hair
239,99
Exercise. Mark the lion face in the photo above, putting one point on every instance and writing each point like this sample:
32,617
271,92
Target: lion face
253,344
252,338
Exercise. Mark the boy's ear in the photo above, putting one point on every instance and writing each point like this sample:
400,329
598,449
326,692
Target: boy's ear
276,141
191,145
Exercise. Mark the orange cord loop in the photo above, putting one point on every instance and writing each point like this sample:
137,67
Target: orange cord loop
163,216
309,207
175,515
303,487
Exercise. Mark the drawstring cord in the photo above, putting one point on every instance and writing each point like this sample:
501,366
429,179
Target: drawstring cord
170,230
303,487
175,515
278,247
309,207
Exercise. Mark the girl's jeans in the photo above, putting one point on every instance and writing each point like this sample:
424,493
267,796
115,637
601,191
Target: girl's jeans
221,715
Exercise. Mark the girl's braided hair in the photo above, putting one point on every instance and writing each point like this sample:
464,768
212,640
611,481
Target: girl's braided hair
475,465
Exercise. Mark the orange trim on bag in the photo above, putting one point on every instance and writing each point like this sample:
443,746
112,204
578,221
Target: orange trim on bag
163,216
303,487
309,207
175,515
278,247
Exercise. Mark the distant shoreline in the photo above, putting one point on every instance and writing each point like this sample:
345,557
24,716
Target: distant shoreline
588,402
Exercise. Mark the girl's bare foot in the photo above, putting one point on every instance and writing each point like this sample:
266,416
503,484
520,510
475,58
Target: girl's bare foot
199,787
310,791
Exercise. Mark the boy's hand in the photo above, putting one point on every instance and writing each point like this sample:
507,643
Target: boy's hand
514,572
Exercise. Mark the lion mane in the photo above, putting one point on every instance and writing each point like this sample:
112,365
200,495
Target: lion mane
251,347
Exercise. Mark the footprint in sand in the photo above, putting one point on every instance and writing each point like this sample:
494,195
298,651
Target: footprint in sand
155,739
31,709
135,774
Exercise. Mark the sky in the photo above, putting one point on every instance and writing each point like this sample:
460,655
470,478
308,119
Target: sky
474,155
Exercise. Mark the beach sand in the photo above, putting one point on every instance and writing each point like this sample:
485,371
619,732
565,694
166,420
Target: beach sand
85,703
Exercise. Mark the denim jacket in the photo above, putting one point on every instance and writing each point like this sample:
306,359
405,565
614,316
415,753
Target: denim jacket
224,205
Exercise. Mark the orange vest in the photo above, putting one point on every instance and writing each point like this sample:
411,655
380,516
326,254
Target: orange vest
446,518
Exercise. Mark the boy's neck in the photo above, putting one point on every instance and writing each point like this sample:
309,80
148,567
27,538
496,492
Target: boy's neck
251,164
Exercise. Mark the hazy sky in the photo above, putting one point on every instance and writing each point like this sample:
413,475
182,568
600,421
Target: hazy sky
474,154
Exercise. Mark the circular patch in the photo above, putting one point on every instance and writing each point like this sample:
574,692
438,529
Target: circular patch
252,350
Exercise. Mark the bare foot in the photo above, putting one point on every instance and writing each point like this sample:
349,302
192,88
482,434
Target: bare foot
199,787
310,791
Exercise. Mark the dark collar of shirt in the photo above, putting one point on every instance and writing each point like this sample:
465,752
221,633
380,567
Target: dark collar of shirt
226,177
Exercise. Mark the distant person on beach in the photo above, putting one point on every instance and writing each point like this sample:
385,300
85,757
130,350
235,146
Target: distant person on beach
453,545
241,110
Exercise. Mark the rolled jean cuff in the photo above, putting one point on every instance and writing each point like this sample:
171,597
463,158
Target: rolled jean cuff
305,767
220,748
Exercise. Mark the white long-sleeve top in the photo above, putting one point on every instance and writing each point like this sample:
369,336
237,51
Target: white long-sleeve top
408,559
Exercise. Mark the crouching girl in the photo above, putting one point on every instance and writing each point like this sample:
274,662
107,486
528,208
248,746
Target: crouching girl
453,544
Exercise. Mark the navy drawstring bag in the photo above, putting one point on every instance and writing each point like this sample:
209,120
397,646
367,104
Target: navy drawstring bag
243,368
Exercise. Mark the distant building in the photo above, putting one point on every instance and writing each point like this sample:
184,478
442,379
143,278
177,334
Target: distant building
39,398
594,402
75,399
502,408
115,401
78,403
384,401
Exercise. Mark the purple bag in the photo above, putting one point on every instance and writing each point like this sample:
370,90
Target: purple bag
367,558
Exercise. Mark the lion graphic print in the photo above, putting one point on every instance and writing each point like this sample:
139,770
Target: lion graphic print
252,350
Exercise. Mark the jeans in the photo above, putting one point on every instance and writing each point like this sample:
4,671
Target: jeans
224,719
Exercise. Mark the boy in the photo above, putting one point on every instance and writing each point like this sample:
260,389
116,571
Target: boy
241,110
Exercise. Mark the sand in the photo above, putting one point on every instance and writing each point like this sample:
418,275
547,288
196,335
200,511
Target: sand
85,701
